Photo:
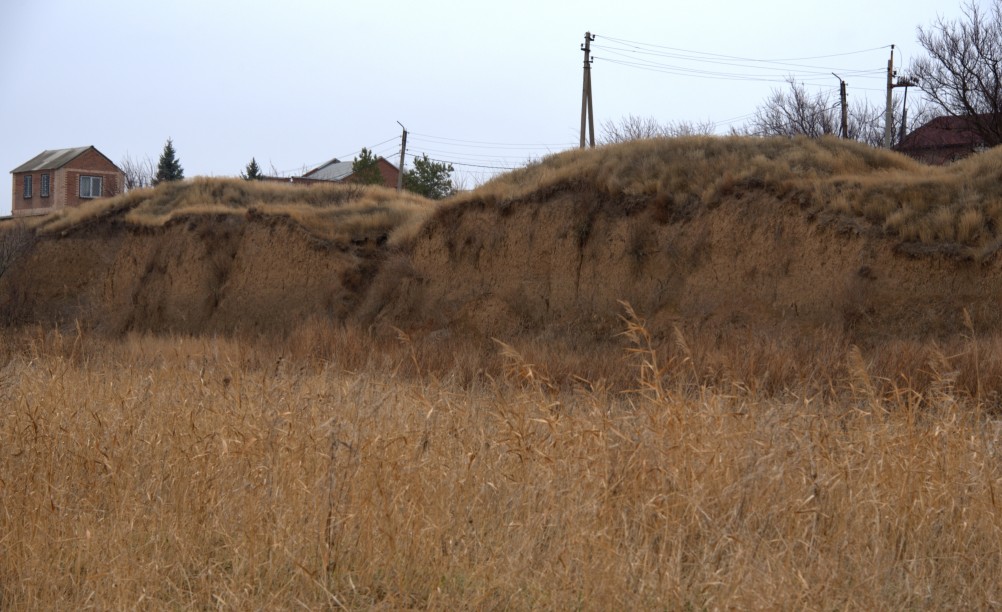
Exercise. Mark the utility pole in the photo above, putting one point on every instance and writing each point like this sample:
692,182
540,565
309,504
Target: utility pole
888,118
844,132
403,151
587,110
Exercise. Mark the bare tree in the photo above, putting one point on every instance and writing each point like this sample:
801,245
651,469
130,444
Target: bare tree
797,112
866,121
139,173
633,127
962,74
16,239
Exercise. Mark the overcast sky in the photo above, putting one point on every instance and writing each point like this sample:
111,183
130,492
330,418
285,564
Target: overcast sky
482,85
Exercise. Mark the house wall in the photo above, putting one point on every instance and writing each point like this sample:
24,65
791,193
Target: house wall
389,172
90,163
939,155
36,204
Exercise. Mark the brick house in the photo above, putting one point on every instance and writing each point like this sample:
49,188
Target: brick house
63,177
341,172
943,140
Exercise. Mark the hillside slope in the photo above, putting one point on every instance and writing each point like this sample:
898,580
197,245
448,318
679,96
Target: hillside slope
718,233
715,233
209,256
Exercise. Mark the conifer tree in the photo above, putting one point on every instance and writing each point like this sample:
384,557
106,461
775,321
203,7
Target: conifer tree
252,172
169,168
430,178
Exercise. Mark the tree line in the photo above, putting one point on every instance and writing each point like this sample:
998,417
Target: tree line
429,178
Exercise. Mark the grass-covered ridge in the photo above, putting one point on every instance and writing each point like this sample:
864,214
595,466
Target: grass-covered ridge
957,208
333,211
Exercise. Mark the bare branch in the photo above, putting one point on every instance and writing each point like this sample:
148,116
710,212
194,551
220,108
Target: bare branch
633,127
962,74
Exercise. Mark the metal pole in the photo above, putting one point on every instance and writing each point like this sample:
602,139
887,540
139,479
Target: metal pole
904,117
845,109
403,151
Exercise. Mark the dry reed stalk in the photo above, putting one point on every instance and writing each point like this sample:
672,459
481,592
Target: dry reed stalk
168,472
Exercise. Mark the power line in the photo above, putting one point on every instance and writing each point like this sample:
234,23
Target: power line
501,144
736,63
646,64
487,156
747,59
455,163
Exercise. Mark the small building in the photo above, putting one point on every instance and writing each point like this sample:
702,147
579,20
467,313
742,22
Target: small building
943,140
341,172
63,177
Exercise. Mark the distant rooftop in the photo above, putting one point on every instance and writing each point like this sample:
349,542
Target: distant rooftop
334,170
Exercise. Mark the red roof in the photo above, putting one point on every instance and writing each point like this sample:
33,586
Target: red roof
943,132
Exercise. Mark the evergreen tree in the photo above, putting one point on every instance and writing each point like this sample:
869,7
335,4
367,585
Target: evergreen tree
169,168
365,169
429,178
252,172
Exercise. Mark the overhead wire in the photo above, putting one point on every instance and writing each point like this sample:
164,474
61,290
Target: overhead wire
678,61
735,57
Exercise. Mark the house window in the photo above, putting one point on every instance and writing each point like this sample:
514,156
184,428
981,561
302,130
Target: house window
90,186
44,190
27,187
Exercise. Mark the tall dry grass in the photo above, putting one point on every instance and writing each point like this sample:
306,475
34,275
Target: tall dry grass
353,472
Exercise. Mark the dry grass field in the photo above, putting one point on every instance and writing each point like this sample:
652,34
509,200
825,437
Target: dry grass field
338,471
682,374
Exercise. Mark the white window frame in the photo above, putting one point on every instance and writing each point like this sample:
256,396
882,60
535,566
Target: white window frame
46,187
27,187
88,192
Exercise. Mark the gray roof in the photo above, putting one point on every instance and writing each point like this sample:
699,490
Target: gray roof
50,160
334,170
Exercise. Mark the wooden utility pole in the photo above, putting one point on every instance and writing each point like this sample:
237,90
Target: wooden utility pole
888,116
587,110
403,151
844,130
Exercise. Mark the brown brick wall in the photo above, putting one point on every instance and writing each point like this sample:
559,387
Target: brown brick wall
389,172
36,204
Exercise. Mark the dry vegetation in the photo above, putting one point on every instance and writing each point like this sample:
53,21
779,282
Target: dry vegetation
957,208
338,471
335,467
333,211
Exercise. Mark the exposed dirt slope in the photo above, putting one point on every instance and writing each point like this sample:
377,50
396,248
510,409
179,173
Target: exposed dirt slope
206,274
724,234
751,263
730,234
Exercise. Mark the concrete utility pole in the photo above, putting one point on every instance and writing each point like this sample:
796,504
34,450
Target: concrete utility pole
888,118
587,110
403,151
844,130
